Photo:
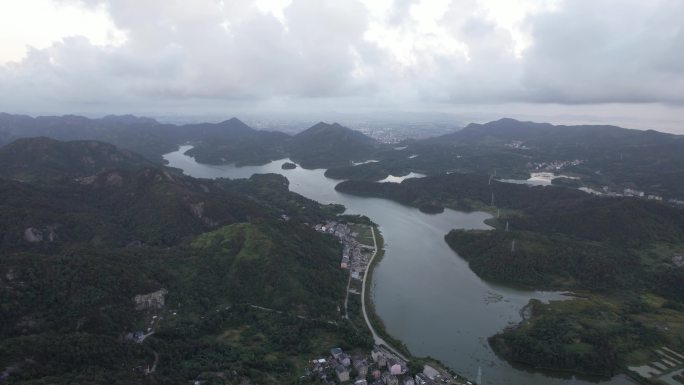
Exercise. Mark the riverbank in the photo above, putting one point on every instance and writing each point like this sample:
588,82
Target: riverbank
377,326
450,311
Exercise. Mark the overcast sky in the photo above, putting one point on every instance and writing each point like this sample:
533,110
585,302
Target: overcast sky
565,61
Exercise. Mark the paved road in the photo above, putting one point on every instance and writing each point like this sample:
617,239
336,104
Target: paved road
376,338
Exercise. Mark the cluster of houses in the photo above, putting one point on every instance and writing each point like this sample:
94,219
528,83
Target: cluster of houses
338,367
381,368
353,257
605,191
556,165
517,144
628,192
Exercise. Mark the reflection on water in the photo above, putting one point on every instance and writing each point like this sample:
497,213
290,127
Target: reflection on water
426,295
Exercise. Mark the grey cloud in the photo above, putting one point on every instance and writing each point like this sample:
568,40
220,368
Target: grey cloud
611,51
206,53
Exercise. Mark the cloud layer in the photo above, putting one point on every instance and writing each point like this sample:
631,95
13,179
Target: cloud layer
390,53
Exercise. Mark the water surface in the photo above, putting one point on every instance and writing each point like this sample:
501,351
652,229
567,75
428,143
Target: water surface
426,295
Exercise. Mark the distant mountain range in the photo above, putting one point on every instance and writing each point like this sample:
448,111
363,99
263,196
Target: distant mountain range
88,226
41,157
217,143
610,156
506,130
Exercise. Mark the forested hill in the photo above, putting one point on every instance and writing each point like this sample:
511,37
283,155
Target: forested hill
605,158
507,129
94,257
320,146
44,158
599,156
325,145
546,209
622,255
616,157
143,135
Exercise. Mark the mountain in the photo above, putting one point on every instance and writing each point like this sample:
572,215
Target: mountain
580,138
45,158
324,145
610,156
142,135
620,255
234,141
321,146
95,257
229,129
99,194
117,207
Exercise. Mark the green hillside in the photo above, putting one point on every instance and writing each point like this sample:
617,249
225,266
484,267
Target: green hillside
44,158
228,275
325,145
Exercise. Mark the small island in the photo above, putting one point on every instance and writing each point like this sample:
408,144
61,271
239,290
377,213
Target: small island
288,166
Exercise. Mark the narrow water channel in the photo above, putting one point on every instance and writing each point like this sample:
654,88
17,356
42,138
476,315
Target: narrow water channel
426,294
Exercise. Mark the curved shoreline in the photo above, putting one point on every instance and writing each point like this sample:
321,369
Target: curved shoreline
376,337
403,351
308,185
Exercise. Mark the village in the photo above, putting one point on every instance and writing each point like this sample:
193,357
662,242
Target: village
353,257
383,365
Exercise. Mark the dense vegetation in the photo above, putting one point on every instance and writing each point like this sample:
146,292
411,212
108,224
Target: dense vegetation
637,222
607,156
610,156
590,336
327,145
618,247
279,265
77,216
231,141
546,262
45,158
252,148
647,160
564,239
77,250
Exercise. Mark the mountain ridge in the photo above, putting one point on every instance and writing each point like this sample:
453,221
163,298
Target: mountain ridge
45,158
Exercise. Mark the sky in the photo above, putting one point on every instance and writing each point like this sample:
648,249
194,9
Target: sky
562,61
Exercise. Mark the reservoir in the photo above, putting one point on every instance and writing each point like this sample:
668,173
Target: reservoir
426,294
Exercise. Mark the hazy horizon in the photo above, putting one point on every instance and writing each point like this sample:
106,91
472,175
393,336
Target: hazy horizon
558,61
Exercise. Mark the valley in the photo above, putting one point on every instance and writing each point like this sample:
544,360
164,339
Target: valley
364,192
232,222
436,325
